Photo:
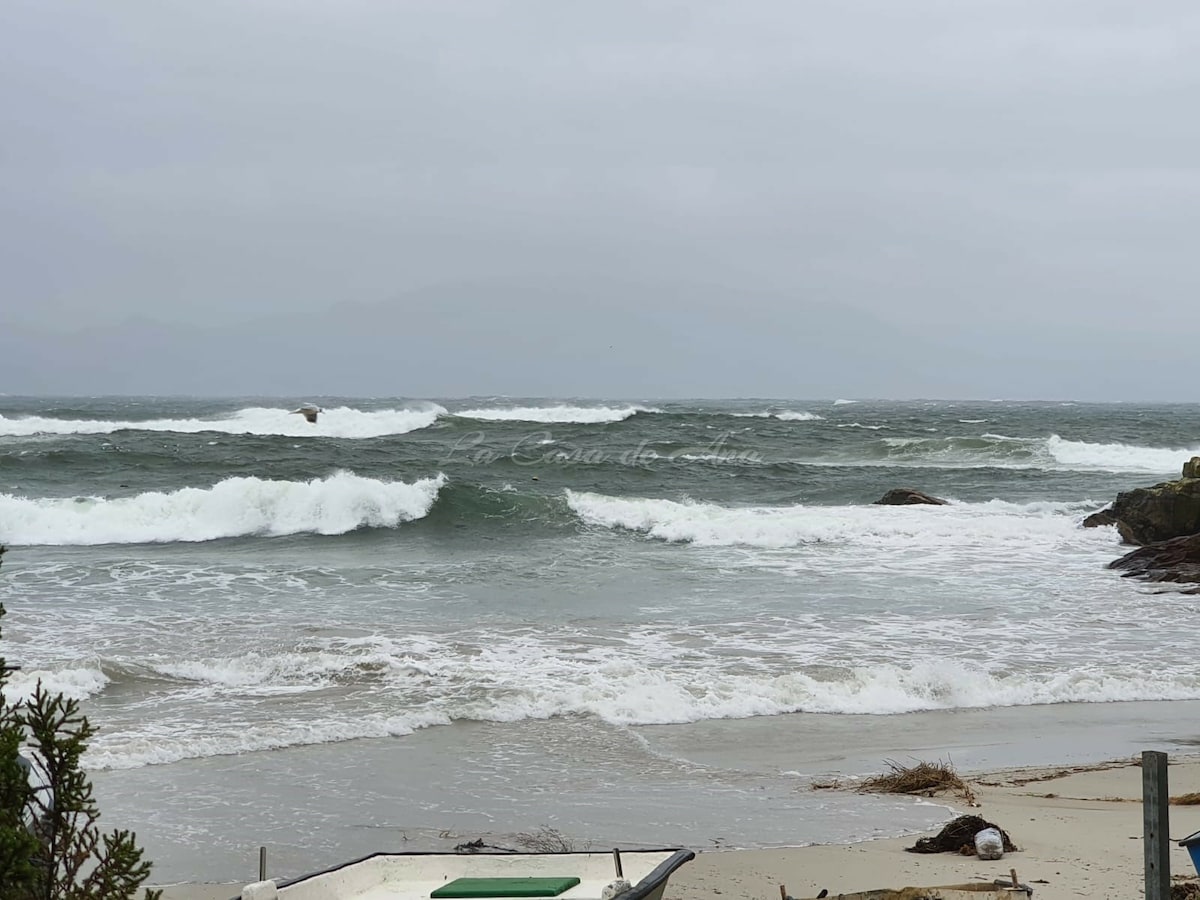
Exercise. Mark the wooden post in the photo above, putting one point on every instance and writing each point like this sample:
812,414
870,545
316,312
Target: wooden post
262,863
1155,798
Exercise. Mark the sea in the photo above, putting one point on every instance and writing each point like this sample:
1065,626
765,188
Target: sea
420,622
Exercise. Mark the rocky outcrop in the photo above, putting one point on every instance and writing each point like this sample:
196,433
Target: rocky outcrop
1100,517
1167,510
1165,521
1176,560
907,497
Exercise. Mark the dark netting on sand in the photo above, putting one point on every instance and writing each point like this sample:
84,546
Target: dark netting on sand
959,837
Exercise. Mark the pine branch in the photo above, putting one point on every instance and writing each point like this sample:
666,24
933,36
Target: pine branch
59,853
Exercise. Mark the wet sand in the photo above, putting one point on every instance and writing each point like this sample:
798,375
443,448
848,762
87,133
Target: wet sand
1078,830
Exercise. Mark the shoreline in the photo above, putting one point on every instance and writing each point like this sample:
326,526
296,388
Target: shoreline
1078,830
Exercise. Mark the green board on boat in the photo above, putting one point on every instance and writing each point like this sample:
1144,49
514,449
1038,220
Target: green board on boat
506,887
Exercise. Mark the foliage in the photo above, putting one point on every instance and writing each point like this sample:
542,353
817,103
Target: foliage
51,847
17,845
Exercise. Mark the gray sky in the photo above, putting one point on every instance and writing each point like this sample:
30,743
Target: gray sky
937,198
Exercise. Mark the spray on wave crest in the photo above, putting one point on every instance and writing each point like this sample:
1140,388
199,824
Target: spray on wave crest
1053,453
709,524
231,508
339,422
583,415
1118,457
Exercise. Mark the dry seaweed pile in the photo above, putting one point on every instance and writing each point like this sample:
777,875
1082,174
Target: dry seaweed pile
1188,890
1192,799
959,837
544,840
923,778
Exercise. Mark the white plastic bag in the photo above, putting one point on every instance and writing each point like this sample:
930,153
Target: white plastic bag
989,844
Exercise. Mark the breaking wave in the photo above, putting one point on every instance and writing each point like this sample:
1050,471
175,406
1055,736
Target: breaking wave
785,415
709,524
1006,452
338,422
72,683
1118,457
234,507
627,686
584,415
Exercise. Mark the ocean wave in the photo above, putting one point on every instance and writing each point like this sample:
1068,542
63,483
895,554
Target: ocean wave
785,415
231,508
628,694
284,673
529,679
709,524
159,745
1001,451
74,683
583,415
1118,457
338,422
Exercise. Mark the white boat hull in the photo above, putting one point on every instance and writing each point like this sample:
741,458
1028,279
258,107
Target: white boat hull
414,876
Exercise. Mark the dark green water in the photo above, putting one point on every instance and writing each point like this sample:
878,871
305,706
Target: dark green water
565,601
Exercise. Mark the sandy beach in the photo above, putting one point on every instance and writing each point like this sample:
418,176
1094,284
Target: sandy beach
1078,830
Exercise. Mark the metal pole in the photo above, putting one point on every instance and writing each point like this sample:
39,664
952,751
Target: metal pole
1155,798
617,862
262,863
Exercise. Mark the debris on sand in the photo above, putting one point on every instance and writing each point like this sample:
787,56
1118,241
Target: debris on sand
924,778
959,837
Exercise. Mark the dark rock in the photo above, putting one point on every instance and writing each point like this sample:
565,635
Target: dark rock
1158,513
905,497
1191,468
1175,560
1101,517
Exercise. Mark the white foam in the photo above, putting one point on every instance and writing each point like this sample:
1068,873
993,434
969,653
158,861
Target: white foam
1001,451
72,683
644,681
707,524
159,744
843,402
1119,457
551,414
663,673
233,507
283,672
786,415
339,422
625,693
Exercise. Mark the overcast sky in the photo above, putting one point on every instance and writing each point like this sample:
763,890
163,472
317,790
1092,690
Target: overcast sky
927,198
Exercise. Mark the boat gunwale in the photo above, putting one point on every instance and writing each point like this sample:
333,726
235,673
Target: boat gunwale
654,878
